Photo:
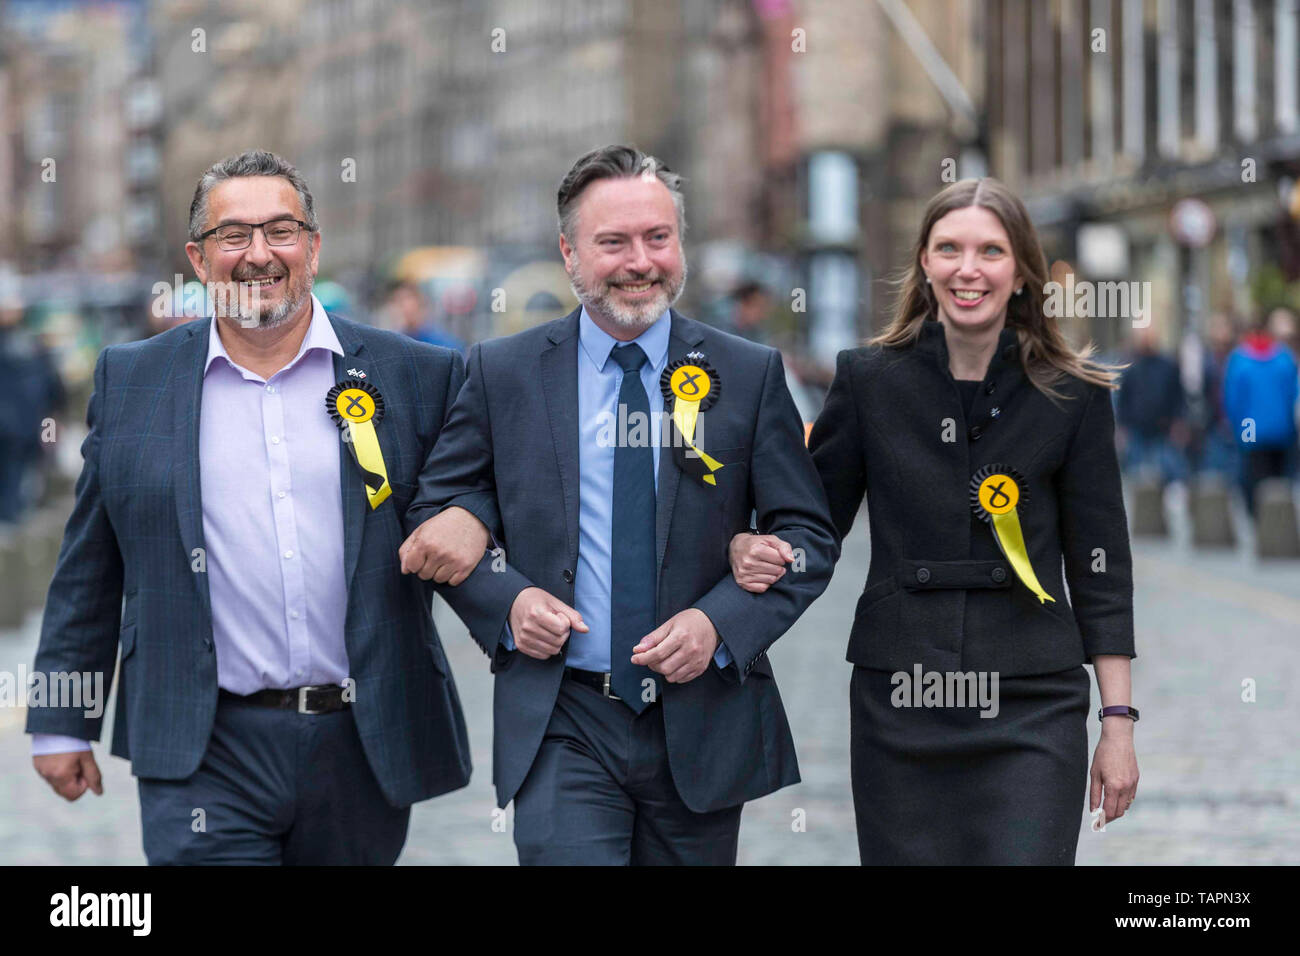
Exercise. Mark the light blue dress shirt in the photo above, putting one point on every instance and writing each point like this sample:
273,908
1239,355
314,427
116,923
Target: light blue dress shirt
600,426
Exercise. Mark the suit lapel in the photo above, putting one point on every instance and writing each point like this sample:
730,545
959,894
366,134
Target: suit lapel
559,362
186,390
355,503
681,340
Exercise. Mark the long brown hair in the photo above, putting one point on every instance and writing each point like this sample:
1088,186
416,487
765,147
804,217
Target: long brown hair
1044,351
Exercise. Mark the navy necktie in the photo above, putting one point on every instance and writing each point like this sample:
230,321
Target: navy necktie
632,582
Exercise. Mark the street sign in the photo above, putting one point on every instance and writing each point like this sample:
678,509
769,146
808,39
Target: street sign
1192,223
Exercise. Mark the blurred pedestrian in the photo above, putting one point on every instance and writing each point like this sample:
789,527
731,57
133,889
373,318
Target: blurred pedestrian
750,313
1217,447
1260,392
409,306
33,393
1151,411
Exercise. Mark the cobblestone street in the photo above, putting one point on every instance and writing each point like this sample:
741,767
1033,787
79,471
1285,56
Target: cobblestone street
1220,777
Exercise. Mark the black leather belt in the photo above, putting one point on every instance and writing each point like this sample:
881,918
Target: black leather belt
319,699
597,679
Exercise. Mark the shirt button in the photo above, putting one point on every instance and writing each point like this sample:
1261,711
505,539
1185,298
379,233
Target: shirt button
279,494
275,439
271,389
294,614
923,574
288,554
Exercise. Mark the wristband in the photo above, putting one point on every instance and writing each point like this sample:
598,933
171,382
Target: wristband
1118,710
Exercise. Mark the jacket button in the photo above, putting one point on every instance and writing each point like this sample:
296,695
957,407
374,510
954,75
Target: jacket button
568,576
988,389
999,575
923,574
975,433
994,412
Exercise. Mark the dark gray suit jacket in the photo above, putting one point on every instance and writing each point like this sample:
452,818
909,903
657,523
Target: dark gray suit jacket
139,518
514,432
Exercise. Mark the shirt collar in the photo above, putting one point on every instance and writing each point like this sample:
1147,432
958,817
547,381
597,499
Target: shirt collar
320,335
598,344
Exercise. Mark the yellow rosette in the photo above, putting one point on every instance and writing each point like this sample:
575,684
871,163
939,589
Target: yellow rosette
995,490
691,386
357,407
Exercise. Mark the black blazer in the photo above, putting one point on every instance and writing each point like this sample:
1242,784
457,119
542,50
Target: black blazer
513,433
939,591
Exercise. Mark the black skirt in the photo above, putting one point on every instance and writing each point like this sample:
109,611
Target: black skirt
945,786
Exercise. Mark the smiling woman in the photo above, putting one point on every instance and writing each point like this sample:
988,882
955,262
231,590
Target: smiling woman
984,445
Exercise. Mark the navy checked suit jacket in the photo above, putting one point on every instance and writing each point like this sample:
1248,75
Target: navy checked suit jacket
134,534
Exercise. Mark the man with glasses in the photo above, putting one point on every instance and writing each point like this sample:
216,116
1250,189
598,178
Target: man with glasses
283,696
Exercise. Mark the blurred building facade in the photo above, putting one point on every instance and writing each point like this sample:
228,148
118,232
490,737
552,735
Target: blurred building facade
1155,140
810,133
78,128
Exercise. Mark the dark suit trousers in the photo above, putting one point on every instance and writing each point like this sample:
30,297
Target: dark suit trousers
275,787
600,792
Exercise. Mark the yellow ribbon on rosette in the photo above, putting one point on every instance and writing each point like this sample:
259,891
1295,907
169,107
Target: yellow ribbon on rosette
995,491
357,407
690,386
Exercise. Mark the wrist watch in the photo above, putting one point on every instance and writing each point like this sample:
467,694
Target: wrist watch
1118,710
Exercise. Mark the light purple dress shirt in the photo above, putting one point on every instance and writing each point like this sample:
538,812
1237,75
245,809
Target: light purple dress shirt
272,522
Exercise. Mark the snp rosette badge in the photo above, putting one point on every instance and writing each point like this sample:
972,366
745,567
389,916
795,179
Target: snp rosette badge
357,407
995,493
691,387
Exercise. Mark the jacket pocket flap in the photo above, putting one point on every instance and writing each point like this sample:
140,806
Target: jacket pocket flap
922,575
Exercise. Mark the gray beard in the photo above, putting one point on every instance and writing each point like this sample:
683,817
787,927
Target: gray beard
632,318
283,312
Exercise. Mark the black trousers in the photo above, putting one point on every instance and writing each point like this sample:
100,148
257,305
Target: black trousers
600,792
945,786
274,787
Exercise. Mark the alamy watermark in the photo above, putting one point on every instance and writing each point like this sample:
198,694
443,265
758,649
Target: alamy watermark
236,300
619,428
75,690
946,689
1101,300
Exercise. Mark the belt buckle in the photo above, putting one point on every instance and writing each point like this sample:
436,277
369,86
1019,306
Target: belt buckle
302,702
605,689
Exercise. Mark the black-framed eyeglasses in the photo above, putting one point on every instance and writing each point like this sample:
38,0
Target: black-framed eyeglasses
233,236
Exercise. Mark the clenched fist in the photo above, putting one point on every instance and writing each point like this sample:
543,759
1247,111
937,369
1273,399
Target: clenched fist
540,623
445,548
70,774
758,560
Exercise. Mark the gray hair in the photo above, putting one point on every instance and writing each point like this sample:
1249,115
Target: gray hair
614,162
251,162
